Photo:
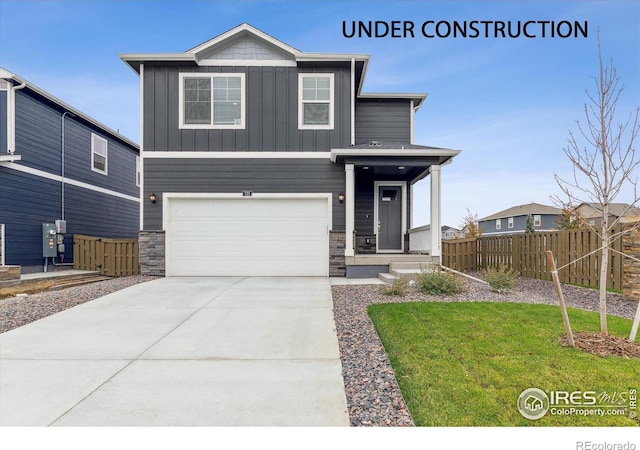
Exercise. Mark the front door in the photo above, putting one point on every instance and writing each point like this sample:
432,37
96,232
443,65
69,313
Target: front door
390,218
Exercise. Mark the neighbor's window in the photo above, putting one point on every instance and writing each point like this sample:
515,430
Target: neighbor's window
510,222
537,221
212,101
315,92
98,154
498,224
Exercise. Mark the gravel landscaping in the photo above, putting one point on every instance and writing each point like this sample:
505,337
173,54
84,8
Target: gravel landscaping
373,395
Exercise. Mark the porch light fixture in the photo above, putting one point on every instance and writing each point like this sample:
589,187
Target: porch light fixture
341,197
152,198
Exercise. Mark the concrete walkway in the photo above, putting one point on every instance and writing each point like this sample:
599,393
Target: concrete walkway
180,351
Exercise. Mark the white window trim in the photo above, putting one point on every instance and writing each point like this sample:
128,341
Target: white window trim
537,220
498,224
510,222
106,156
211,126
301,124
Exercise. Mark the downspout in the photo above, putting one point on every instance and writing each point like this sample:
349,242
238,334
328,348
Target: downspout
11,115
353,102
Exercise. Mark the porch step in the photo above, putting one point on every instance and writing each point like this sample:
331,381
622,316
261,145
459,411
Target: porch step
386,277
409,270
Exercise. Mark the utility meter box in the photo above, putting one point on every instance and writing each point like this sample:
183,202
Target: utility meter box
61,226
49,244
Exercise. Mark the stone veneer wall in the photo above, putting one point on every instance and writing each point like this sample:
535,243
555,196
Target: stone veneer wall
337,266
630,267
364,248
9,273
151,250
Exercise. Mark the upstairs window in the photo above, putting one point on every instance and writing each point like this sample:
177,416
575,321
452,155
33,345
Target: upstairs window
315,93
99,154
537,221
212,100
498,224
510,222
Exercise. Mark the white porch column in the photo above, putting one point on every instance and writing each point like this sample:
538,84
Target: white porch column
350,197
435,212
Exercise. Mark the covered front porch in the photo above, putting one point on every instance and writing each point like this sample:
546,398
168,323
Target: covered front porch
379,206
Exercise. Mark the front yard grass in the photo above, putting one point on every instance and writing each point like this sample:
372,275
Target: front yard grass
465,364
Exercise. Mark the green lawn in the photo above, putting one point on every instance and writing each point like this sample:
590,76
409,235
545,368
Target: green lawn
465,364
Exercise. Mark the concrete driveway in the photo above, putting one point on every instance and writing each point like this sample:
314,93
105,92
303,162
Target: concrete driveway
180,351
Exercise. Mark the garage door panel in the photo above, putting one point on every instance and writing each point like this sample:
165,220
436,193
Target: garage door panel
256,236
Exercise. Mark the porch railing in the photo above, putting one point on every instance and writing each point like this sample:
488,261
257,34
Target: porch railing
420,239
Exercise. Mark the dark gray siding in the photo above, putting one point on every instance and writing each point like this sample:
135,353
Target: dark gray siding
39,143
28,201
519,224
383,119
365,196
235,175
271,112
3,121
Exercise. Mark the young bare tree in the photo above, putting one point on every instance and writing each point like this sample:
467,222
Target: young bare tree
604,164
469,225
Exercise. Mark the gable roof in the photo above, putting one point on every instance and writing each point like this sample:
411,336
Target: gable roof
274,52
615,209
11,77
524,210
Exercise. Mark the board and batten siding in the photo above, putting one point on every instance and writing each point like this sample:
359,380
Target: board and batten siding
235,175
39,143
383,120
271,111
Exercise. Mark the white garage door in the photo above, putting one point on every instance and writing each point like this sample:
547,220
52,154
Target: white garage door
247,236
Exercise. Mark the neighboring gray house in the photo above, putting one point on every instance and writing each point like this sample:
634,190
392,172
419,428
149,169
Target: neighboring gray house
260,159
58,163
514,220
451,232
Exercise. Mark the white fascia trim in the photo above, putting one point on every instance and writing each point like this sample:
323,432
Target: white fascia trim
418,98
247,62
346,57
392,152
58,178
235,155
108,131
168,196
412,125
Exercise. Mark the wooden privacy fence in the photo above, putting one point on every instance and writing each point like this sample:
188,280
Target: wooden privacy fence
110,257
526,253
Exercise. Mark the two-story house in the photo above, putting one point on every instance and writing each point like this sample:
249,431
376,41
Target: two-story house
260,159
514,220
57,163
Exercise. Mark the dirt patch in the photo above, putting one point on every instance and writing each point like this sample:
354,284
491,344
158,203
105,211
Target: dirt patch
605,345
26,288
